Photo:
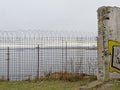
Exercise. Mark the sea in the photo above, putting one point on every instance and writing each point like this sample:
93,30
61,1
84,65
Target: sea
24,63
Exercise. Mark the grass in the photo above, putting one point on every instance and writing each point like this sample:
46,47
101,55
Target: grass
116,85
42,85
68,76
51,81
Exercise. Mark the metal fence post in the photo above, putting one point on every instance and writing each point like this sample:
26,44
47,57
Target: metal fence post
62,54
66,57
38,62
8,58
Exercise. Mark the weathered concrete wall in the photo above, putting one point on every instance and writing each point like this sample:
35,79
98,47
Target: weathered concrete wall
108,29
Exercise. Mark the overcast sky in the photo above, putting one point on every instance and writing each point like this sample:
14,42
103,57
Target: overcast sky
51,14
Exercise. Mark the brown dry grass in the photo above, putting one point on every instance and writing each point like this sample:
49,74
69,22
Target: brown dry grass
68,76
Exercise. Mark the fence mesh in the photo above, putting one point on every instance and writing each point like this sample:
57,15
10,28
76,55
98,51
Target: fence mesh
29,56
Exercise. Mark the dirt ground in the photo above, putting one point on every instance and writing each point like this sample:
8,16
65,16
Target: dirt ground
98,85
106,86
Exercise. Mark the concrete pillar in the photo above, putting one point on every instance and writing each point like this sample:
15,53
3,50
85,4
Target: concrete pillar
108,29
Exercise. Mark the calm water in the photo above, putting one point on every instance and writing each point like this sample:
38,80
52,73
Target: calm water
23,62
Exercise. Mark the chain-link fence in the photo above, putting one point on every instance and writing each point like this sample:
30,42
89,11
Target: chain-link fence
29,56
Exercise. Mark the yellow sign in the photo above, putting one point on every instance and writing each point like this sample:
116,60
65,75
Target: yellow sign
114,50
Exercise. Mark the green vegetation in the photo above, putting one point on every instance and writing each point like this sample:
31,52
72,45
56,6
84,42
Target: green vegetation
42,85
116,85
51,81
112,85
